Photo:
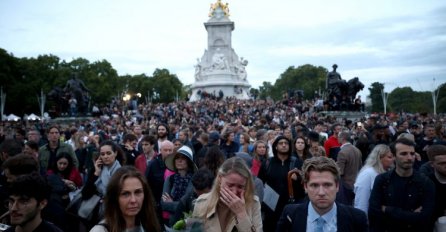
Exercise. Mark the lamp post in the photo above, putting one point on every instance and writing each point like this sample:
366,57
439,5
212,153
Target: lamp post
384,96
2,101
41,99
435,93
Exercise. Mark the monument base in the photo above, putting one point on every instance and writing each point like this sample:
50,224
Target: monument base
340,115
70,120
239,90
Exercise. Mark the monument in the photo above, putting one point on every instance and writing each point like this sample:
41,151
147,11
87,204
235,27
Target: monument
220,72
71,99
341,101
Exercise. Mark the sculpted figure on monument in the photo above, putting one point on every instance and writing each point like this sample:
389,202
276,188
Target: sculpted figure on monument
241,71
219,61
77,89
340,92
198,70
334,82
219,4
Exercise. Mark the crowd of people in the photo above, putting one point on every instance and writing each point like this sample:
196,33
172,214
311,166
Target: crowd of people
221,162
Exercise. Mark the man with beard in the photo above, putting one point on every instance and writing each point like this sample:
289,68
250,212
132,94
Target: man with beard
29,195
402,199
274,172
162,133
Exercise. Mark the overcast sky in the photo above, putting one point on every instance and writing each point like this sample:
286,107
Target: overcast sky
399,42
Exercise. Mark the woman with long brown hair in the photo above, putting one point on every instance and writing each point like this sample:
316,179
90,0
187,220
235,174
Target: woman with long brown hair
129,204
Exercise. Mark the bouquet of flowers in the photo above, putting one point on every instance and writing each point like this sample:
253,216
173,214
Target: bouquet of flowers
188,224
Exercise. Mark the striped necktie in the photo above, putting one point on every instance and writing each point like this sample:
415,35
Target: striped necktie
319,225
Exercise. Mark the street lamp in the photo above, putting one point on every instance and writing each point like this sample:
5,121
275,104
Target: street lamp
41,99
435,94
126,97
2,102
385,97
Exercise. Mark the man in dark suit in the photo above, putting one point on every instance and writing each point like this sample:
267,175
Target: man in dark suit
321,181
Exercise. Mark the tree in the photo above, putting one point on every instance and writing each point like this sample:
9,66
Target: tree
166,85
419,101
254,92
376,97
265,90
307,77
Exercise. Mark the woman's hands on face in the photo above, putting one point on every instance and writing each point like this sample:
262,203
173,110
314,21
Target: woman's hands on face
233,202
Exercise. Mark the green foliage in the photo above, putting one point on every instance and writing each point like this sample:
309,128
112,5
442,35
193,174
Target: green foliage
307,77
22,80
254,92
376,97
406,100
265,90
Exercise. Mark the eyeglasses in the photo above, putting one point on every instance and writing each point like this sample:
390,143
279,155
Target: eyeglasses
20,203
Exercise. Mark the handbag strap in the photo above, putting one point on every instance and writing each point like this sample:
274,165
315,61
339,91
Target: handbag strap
105,225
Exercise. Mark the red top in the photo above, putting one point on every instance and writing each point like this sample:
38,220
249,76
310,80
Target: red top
74,176
255,167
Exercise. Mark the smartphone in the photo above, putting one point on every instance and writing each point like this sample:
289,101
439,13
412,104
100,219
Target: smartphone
95,155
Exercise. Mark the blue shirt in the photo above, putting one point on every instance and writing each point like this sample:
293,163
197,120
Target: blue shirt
330,218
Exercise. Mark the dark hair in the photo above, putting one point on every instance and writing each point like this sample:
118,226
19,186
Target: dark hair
227,133
67,171
31,185
435,150
51,127
165,126
113,216
120,156
177,140
305,151
202,179
21,164
149,138
11,147
404,141
213,158
33,145
129,137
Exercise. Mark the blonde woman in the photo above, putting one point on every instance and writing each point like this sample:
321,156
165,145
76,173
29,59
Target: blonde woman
231,204
379,160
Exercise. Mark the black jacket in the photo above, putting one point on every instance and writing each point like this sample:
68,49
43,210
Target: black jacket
348,218
401,203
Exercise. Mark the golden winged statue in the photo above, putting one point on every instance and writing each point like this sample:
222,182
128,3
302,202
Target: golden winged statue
214,6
